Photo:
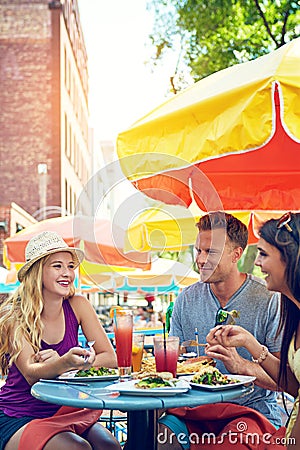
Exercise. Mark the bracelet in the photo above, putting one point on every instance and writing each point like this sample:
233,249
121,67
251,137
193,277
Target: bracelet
262,356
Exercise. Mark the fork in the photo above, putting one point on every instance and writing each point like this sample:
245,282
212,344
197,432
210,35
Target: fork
90,345
192,343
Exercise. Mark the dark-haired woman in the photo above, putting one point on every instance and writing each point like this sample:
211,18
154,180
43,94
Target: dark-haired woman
279,260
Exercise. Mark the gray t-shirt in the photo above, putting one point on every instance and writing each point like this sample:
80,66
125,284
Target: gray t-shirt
197,306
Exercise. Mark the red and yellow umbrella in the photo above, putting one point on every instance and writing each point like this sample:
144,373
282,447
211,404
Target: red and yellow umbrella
102,241
231,141
173,228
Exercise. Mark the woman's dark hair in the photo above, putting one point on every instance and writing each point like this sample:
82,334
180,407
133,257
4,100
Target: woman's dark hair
286,239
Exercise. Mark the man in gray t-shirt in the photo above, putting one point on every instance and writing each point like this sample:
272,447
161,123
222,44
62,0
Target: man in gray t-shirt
222,288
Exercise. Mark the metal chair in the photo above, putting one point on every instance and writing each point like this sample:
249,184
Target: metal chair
116,424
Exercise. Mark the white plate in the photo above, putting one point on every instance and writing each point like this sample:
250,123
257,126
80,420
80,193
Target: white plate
70,376
188,374
243,379
189,355
128,387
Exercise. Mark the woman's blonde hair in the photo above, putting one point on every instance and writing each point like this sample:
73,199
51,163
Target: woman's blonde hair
20,316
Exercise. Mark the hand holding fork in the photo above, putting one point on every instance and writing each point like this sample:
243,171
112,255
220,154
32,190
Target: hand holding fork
90,345
191,343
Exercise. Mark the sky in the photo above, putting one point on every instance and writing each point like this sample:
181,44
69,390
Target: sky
122,87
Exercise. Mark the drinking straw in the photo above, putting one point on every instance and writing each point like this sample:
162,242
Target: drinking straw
115,318
165,342
197,340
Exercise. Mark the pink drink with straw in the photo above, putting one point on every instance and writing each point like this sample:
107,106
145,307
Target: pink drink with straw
123,327
166,354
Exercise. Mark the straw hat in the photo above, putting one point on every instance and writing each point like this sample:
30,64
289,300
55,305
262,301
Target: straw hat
45,244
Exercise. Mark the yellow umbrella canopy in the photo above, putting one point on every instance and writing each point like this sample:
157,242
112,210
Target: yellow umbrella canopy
173,228
93,274
162,227
163,272
157,229
235,133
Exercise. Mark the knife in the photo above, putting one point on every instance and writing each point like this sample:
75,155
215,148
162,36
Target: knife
69,383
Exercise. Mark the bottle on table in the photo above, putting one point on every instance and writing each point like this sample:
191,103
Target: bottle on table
169,313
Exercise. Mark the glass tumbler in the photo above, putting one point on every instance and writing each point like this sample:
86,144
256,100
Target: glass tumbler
166,353
123,329
137,351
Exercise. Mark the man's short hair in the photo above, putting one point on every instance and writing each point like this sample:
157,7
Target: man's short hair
237,232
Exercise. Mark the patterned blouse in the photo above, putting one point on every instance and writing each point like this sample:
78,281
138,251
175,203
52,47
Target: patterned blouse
294,363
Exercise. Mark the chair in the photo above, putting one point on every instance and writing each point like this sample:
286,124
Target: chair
285,402
116,423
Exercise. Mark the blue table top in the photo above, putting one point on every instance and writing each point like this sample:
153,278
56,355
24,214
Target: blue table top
89,396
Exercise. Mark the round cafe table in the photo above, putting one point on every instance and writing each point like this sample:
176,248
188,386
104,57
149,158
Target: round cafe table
142,411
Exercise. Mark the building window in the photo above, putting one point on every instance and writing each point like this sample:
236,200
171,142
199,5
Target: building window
66,196
66,135
70,200
70,145
19,227
65,66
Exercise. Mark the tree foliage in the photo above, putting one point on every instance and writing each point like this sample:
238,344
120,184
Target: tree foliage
210,35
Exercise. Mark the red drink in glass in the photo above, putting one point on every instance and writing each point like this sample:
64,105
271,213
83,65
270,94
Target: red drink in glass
123,328
166,354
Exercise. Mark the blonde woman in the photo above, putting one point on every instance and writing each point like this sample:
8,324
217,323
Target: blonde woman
39,339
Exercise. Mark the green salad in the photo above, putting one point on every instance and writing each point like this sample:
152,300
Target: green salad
154,382
96,372
211,376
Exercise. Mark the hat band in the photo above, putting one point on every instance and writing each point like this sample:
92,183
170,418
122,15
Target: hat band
47,250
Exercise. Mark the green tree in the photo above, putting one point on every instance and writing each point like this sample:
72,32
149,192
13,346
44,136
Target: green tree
210,35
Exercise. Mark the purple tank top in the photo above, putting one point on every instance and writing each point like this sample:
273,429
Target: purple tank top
15,397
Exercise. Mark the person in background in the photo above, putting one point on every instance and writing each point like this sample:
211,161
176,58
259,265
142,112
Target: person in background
141,318
278,258
155,321
221,294
150,298
39,339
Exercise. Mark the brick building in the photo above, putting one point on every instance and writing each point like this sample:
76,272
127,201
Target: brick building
45,157
13,219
